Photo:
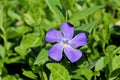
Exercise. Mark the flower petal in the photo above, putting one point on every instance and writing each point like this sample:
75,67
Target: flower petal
56,52
53,36
72,54
79,40
68,30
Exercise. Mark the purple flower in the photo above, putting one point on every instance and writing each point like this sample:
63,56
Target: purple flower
66,43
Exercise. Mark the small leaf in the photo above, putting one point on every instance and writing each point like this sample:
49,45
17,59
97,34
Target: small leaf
21,50
2,51
91,64
116,62
110,48
88,27
31,40
28,19
114,29
44,75
101,63
56,8
82,14
22,29
1,16
13,14
15,32
13,59
82,71
58,72
115,73
67,4
29,74
42,57
8,77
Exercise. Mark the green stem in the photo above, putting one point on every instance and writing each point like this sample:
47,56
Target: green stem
66,15
109,63
4,36
41,74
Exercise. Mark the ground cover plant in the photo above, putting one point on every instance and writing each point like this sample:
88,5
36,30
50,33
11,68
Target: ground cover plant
59,40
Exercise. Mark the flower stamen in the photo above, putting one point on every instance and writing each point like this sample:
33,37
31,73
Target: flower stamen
65,42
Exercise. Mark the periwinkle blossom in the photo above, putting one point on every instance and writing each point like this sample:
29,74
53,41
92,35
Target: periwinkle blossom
66,43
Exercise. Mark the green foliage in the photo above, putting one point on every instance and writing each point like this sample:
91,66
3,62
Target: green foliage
42,57
100,64
87,28
56,8
24,51
67,4
58,72
83,72
82,14
29,74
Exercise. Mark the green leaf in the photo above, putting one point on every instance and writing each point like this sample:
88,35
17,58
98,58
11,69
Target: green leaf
22,29
114,29
29,20
91,64
29,74
12,33
82,14
21,50
115,73
82,71
116,62
88,27
100,64
31,40
13,59
56,8
1,61
110,48
58,71
2,51
9,77
44,75
13,14
42,57
1,16
67,4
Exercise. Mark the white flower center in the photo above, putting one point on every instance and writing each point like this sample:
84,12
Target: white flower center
66,42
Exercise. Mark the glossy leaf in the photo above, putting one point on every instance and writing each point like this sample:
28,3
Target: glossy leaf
9,77
58,71
29,20
67,4
42,57
116,62
21,50
82,14
31,40
115,74
88,27
114,29
56,8
29,74
2,51
19,31
1,17
13,59
100,64
83,71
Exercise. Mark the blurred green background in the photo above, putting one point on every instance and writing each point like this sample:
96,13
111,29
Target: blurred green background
24,52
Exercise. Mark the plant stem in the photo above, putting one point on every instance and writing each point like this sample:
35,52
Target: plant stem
41,73
4,36
66,15
109,62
